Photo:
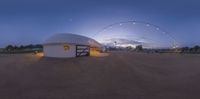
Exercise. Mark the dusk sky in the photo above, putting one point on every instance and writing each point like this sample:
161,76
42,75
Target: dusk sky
32,21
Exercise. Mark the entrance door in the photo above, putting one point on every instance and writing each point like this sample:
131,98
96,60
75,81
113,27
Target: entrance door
82,50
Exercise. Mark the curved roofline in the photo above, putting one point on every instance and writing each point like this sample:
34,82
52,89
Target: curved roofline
64,34
84,40
65,43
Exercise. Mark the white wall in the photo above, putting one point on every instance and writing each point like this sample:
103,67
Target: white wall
58,51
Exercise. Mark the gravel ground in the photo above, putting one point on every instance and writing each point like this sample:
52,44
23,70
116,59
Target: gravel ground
121,75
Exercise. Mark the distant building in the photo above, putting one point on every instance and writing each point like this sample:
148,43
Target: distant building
70,45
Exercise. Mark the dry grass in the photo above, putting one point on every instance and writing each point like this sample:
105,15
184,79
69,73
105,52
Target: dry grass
118,76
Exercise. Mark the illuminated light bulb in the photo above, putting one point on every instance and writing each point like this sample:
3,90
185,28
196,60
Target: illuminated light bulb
147,25
157,29
134,23
120,24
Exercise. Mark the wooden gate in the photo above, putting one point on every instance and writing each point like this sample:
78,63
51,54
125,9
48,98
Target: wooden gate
82,50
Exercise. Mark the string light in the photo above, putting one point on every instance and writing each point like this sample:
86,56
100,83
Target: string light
154,27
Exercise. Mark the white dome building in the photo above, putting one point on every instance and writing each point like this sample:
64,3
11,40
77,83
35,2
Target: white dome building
67,45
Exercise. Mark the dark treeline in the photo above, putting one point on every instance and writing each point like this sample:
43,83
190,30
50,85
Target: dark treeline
195,49
22,48
139,48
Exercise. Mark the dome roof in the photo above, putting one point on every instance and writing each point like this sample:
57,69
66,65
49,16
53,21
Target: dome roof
71,39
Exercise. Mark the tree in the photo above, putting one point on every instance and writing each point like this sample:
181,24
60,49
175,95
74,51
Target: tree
30,46
139,48
185,49
38,46
9,48
15,47
129,48
196,48
21,47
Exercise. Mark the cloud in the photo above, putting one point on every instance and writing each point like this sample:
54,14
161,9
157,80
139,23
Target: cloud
126,42
121,42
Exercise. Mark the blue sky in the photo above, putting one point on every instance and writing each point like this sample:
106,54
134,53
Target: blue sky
32,21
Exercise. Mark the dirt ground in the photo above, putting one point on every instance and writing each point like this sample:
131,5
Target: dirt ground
121,75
